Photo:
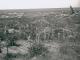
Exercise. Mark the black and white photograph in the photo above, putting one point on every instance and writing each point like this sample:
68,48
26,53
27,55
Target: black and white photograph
39,29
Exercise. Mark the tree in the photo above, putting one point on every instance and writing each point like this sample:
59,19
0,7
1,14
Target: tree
72,11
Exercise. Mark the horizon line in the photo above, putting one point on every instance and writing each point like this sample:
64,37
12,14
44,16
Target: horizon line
35,8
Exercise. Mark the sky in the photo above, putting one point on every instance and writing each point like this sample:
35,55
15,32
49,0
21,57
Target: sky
34,4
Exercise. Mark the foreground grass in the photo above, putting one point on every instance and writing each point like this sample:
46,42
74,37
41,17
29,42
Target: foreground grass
56,51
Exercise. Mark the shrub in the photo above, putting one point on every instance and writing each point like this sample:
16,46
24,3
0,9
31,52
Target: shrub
37,49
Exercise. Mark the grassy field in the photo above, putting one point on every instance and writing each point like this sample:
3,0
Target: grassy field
41,34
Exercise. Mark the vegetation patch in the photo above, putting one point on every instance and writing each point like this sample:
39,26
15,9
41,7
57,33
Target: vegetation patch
37,49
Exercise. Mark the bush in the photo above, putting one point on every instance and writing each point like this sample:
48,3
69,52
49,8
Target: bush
9,56
37,49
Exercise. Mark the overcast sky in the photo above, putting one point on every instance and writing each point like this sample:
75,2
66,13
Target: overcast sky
32,4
